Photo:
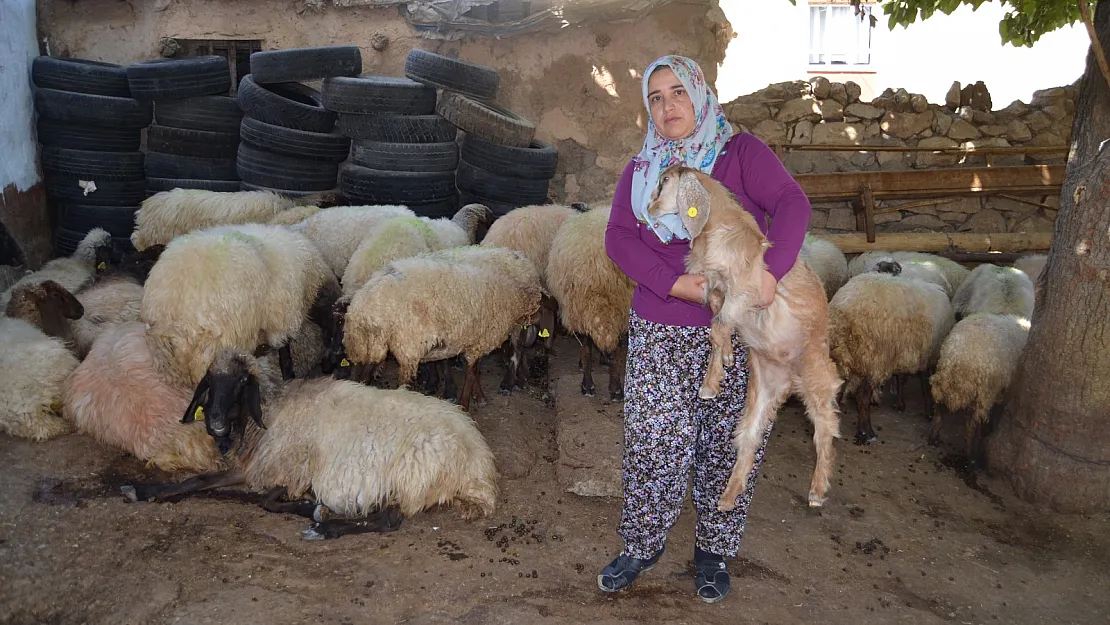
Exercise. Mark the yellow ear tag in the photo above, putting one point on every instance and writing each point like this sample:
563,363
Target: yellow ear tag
544,333
101,265
199,414
692,211
344,363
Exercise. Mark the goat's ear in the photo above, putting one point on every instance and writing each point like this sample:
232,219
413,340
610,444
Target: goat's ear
194,404
253,398
692,203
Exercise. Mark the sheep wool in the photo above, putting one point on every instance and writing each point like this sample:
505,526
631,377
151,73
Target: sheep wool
924,264
594,295
1032,265
72,272
228,286
827,261
33,369
339,230
116,396
398,237
106,303
530,230
995,290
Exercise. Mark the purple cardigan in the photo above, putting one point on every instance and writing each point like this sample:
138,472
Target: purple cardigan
756,176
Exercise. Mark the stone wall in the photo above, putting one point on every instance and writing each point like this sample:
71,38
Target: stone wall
820,112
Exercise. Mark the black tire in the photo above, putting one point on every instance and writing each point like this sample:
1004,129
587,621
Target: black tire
80,76
246,186
87,137
89,165
537,161
436,210
498,208
397,128
375,186
486,120
67,240
99,110
119,221
185,142
445,72
378,94
292,105
415,157
156,185
215,113
159,165
521,191
317,146
187,77
278,171
67,190
278,66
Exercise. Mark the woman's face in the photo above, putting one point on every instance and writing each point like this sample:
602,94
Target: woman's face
670,105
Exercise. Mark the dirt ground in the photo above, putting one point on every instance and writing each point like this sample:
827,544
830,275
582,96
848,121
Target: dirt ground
906,536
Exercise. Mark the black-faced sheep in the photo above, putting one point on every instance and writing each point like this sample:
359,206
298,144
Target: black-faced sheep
71,272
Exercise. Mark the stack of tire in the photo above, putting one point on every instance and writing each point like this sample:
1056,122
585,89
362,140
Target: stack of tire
289,144
402,152
90,129
501,164
192,143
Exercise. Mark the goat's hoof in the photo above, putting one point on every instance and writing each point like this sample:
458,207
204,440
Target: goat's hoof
725,506
129,492
706,393
815,501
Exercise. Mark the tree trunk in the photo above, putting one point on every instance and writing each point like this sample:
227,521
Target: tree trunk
1052,441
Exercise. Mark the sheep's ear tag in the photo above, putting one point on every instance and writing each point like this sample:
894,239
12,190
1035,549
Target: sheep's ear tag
692,211
101,266
544,333
344,363
198,414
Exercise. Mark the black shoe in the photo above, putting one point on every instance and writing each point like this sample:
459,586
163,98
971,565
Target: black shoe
620,573
712,580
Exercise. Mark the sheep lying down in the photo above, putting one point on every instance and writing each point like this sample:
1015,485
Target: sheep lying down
369,455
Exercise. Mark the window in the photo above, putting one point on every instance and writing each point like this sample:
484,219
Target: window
837,36
236,51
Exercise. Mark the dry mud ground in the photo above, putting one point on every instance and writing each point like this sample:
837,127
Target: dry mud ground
905,537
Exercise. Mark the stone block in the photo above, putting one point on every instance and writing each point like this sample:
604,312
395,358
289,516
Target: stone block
841,219
1017,131
839,93
853,90
820,86
863,111
940,159
799,108
770,131
993,130
831,111
803,133
962,130
956,218
906,125
837,133
985,221
748,114
818,218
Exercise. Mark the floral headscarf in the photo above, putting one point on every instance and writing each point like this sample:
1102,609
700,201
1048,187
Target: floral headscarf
700,150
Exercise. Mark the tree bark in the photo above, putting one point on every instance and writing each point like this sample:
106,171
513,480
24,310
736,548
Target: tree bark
1052,442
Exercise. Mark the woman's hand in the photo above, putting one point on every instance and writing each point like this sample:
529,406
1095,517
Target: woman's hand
767,290
690,287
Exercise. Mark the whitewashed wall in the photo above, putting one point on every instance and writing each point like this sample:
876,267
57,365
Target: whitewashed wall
17,47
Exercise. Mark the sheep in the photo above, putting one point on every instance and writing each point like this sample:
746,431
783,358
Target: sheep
10,275
33,365
117,396
438,305
996,290
1032,265
827,261
396,237
71,272
230,286
594,295
881,325
917,263
357,448
977,362
788,342
169,214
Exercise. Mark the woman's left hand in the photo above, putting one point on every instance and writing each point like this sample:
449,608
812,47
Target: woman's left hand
767,290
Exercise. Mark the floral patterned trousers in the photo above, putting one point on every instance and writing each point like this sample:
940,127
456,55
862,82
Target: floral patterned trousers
668,430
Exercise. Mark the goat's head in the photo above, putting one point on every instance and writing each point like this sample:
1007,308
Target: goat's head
229,391
47,305
544,327
107,255
892,267
681,192
581,207
335,354
110,257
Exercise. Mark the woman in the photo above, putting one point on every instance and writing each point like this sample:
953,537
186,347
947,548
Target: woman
667,429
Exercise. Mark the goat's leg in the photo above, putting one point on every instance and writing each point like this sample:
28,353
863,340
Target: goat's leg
934,427
926,392
716,300
285,359
206,481
381,522
617,364
864,433
768,385
476,366
467,389
819,383
719,335
586,357
450,392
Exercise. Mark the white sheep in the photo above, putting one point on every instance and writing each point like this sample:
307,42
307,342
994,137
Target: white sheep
977,362
530,230
787,343
71,272
230,286
594,295
937,269
1032,265
995,290
169,214
827,261
356,448
396,238
882,325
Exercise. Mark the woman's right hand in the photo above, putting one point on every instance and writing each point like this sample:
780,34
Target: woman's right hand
690,287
